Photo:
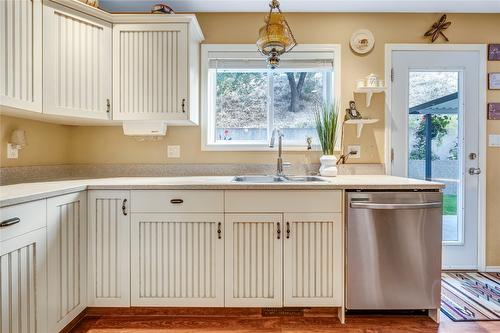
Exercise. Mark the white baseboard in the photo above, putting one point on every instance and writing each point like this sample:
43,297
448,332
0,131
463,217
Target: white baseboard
492,269
459,268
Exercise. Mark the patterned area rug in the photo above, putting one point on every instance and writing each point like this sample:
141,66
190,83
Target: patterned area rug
470,296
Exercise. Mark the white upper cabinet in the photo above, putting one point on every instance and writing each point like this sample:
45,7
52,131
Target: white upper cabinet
77,63
155,71
94,66
21,55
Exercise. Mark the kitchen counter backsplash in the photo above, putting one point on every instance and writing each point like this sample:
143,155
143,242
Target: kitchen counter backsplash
15,175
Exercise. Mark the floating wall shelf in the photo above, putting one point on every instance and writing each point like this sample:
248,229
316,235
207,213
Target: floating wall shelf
360,123
369,91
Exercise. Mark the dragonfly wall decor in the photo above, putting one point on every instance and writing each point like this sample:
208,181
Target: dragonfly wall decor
437,29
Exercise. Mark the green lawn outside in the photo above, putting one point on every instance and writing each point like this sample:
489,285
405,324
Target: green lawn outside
450,204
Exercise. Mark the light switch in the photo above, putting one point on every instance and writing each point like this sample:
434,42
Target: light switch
173,151
494,140
12,153
354,151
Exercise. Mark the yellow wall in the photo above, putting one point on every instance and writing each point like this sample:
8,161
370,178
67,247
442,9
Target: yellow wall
54,144
308,28
47,143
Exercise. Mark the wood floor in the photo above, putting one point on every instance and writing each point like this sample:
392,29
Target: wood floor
251,320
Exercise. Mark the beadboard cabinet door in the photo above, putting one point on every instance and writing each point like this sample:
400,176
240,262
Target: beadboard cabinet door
77,65
253,259
178,260
67,258
21,55
313,266
23,283
150,72
109,248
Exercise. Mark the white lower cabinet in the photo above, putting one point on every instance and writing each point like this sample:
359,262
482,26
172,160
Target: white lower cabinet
178,259
67,258
291,259
23,283
200,248
312,259
253,259
109,248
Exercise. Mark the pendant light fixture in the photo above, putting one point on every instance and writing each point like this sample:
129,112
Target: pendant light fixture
275,37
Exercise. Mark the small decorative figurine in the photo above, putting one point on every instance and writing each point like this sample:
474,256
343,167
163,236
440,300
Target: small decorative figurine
162,9
438,28
309,141
352,112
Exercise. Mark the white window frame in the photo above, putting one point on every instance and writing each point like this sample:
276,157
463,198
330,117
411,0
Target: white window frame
208,118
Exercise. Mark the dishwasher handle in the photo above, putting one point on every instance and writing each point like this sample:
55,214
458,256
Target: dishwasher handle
370,205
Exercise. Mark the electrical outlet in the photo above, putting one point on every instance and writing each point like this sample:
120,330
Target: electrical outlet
494,140
173,151
12,152
354,151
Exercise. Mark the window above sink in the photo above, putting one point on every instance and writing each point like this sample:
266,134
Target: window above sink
243,100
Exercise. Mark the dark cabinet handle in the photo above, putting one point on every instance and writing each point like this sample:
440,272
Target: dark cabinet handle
9,222
124,207
183,105
176,201
287,230
219,230
278,231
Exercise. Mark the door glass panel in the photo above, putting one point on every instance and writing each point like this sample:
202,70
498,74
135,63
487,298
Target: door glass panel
434,140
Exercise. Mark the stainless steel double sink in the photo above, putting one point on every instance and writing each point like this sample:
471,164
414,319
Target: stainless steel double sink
277,179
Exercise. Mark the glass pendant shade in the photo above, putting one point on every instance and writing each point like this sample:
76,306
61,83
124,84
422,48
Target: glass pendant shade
275,37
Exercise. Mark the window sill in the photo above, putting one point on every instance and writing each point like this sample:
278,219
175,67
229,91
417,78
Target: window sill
257,147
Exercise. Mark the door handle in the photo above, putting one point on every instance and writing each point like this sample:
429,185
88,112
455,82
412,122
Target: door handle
219,230
176,201
278,231
288,230
9,222
474,171
396,206
124,207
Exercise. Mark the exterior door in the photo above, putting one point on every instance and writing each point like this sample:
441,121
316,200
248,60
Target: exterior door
178,260
109,248
435,136
313,267
253,266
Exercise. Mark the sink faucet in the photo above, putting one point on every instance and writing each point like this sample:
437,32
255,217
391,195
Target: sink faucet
279,165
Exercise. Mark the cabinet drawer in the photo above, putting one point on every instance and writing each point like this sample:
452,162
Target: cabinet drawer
31,216
317,201
177,201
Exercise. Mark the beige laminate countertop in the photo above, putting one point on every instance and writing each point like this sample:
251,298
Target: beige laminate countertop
19,193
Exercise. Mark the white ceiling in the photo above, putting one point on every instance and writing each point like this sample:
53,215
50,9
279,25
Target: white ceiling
402,6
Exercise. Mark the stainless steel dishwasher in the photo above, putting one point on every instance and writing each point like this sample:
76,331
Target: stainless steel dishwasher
393,250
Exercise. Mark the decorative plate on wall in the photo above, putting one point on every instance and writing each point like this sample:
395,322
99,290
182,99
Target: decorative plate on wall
362,41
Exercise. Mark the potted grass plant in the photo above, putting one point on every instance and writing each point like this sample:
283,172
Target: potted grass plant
326,119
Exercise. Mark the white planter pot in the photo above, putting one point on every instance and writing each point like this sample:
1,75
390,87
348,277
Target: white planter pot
328,166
